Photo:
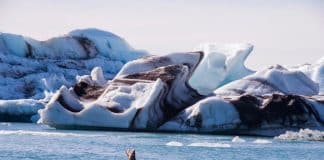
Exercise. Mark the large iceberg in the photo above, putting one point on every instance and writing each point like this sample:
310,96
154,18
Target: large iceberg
155,94
32,70
93,79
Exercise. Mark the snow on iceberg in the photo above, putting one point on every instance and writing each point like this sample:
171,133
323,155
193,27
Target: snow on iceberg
30,69
220,65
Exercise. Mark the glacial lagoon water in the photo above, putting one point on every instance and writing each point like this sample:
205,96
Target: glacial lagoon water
32,141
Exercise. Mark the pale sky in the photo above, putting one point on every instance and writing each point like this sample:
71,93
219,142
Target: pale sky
283,32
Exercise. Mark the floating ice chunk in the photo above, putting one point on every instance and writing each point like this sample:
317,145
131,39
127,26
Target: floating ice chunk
262,141
237,139
303,134
221,64
174,143
15,44
19,110
208,144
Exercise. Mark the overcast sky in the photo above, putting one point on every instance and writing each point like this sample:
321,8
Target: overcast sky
282,32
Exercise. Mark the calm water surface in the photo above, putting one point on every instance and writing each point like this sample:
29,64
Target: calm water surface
32,141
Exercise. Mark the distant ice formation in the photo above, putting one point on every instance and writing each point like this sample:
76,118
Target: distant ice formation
32,70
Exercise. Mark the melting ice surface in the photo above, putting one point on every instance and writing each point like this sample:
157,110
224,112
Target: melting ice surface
31,141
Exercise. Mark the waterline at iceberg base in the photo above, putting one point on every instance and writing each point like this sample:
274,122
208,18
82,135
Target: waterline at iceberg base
205,91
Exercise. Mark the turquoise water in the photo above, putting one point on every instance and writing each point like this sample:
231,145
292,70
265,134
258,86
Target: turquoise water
31,141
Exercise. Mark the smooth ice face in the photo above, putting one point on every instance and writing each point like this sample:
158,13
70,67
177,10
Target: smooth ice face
268,115
313,71
221,64
23,110
274,79
208,115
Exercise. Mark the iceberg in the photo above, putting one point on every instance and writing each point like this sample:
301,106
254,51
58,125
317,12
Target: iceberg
33,70
154,94
92,79
22,110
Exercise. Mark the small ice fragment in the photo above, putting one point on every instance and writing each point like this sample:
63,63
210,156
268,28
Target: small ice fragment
237,139
262,141
207,144
174,143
